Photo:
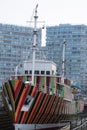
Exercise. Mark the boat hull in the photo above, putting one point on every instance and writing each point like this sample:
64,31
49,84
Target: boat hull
29,105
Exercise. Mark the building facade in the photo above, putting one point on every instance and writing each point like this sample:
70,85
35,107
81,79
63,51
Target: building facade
75,50
15,47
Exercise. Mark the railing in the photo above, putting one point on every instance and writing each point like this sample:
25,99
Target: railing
82,126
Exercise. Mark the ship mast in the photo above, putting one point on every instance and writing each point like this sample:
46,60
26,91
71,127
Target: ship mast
63,61
34,44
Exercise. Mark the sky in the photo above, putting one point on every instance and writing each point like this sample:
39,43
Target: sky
53,12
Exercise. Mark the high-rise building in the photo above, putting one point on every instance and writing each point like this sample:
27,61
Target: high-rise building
15,47
75,52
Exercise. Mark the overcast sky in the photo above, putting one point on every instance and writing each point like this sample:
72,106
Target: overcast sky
53,12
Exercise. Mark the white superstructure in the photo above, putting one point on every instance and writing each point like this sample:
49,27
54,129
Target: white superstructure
42,67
